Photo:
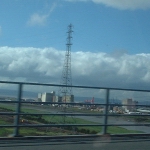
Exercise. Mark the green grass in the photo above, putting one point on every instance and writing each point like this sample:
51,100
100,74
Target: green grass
71,120
59,120
26,131
120,130
5,131
112,129
2,122
11,107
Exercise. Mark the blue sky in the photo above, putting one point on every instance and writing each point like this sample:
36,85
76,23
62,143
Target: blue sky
97,27
111,45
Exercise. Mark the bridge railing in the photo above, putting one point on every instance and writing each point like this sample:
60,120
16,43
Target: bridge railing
17,125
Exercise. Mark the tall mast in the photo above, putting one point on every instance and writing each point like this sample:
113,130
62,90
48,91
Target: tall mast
66,73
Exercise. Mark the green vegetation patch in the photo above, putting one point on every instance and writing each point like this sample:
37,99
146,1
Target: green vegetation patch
5,131
54,119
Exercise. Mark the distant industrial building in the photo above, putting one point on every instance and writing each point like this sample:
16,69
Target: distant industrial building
51,97
68,99
56,99
39,97
129,105
46,97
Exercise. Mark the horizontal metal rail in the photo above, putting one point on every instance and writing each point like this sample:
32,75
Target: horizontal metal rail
70,114
71,125
61,103
85,87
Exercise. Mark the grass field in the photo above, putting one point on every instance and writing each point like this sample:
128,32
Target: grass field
57,120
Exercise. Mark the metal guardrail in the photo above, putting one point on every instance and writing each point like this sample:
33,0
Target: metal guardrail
105,124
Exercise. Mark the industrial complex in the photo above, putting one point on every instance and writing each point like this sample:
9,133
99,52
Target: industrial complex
51,97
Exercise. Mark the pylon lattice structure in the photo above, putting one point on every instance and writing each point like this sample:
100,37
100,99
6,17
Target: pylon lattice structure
66,73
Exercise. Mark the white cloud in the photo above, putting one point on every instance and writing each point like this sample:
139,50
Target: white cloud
126,4
93,69
40,19
121,4
37,19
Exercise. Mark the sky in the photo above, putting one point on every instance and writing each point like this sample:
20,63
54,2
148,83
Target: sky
110,48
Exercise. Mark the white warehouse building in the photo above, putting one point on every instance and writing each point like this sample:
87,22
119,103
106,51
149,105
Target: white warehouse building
46,97
129,105
51,97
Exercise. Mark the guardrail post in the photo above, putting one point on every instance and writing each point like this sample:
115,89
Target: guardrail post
18,108
104,130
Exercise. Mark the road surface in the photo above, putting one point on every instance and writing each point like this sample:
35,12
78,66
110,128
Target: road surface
96,144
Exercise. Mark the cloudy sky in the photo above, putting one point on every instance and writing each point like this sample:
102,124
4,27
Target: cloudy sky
110,48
